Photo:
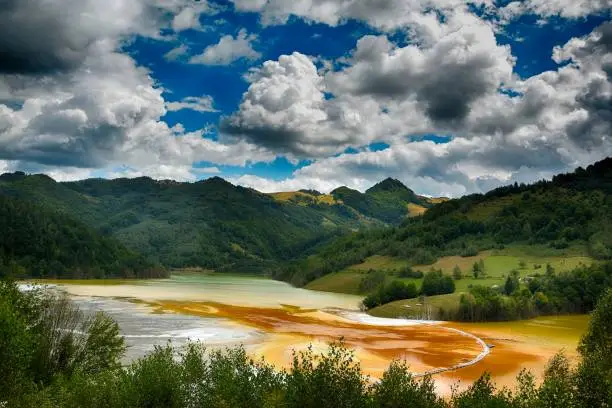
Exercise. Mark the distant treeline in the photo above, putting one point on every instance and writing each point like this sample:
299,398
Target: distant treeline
575,291
51,356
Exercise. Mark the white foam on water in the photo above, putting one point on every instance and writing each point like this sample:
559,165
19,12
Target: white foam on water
364,318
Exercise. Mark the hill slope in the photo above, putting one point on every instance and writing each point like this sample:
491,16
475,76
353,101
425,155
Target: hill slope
388,200
572,209
211,223
40,243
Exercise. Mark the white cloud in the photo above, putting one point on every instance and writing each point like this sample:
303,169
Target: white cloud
382,93
550,8
389,15
177,53
551,122
384,15
228,50
196,103
97,109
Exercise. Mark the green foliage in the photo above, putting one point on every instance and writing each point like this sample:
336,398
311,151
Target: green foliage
192,377
396,290
436,283
210,224
408,272
575,291
457,274
372,281
45,339
386,200
331,380
40,243
512,283
398,388
571,210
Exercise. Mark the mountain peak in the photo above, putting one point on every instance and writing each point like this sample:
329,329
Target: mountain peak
18,175
387,185
216,180
343,190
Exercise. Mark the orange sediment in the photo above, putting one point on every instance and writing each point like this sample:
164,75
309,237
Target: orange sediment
425,347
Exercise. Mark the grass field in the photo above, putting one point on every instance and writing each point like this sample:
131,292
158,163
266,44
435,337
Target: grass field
414,210
414,309
303,198
498,264
348,280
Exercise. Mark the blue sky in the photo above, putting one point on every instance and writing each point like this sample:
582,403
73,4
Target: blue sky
450,97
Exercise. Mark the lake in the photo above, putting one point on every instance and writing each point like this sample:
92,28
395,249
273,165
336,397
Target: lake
271,319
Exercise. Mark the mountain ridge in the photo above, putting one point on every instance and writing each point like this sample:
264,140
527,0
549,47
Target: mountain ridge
210,223
572,209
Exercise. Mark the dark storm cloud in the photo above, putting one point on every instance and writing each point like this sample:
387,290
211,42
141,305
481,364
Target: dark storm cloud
274,137
35,38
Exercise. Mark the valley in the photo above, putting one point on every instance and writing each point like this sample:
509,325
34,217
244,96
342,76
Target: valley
455,293
272,319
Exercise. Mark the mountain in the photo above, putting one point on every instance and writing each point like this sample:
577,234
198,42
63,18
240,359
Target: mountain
389,201
211,223
39,243
573,209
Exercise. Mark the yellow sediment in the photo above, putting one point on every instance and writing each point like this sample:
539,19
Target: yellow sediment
425,347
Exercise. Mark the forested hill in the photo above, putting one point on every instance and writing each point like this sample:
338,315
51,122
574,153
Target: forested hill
572,209
389,200
40,243
211,223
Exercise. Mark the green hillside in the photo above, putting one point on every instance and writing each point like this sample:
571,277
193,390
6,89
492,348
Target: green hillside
211,223
40,243
571,211
387,201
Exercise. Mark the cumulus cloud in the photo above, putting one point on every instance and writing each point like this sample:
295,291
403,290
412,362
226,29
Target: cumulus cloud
383,92
384,15
228,50
196,103
177,53
108,111
95,107
548,123
188,16
462,64
452,169
389,15
550,8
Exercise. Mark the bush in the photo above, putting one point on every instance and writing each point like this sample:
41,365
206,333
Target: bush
396,290
371,281
408,272
436,283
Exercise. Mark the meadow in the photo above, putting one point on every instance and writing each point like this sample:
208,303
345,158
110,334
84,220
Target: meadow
498,264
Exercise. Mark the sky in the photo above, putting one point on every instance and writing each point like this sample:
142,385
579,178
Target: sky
448,96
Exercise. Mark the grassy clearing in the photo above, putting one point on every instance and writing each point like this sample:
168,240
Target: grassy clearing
348,280
414,309
414,210
302,198
487,209
498,264
380,262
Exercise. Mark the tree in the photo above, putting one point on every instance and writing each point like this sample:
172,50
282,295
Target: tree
457,274
476,270
512,283
436,283
481,265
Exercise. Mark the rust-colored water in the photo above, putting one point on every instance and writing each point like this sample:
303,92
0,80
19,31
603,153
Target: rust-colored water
288,319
